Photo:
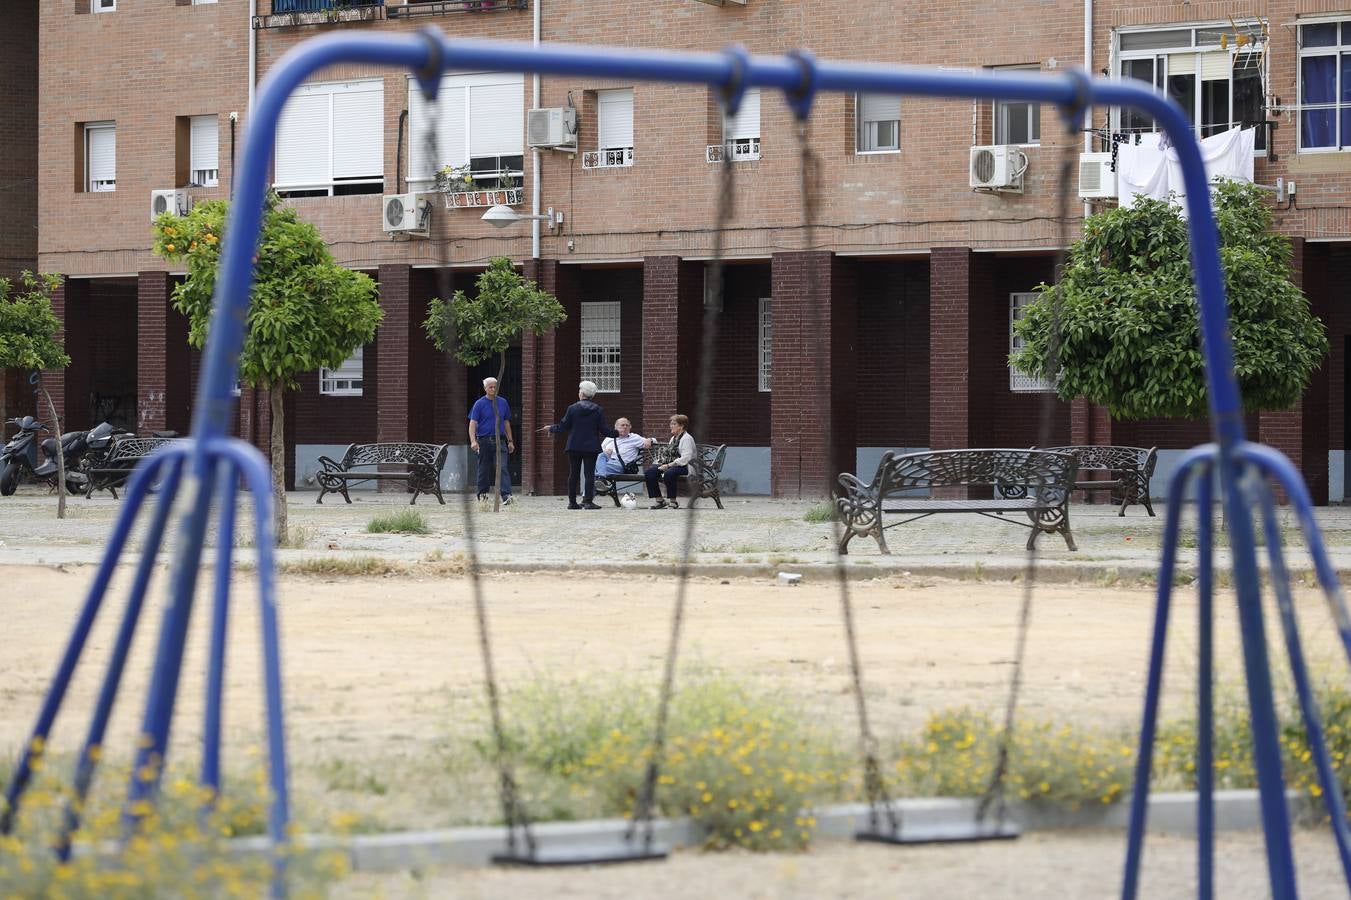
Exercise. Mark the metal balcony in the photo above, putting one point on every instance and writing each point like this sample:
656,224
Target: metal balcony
291,13
418,8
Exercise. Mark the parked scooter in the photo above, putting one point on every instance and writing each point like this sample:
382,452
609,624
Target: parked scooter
81,449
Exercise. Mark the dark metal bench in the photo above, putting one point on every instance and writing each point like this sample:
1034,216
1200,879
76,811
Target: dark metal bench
702,479
1034,482
419,465
124,455
1130,467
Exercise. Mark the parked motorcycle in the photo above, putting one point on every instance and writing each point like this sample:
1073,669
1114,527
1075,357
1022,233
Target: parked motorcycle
81,449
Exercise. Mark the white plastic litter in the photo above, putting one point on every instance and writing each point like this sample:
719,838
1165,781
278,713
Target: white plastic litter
792,579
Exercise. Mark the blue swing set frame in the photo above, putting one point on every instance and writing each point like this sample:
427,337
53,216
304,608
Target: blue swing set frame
210,467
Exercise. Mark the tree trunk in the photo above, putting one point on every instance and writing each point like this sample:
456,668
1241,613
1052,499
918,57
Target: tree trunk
60,458
499,458
278,464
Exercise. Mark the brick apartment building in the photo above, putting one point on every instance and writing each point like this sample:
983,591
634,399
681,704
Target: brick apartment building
884,325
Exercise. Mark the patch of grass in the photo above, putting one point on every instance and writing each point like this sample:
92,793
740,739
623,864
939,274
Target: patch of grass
405,521
822,512
341,566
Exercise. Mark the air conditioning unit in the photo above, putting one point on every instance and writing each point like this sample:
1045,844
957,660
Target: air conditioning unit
1097,181
552,129
998,168
408,214
174,201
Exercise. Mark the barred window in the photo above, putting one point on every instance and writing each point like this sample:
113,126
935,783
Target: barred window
1018,381
766,342
600,344
344,381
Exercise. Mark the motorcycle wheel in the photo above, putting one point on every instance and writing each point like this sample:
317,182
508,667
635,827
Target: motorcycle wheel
9,479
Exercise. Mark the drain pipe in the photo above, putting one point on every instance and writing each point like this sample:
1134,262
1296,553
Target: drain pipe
534,154
1088,68
253,53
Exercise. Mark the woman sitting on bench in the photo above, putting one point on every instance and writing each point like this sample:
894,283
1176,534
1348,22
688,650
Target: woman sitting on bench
679,451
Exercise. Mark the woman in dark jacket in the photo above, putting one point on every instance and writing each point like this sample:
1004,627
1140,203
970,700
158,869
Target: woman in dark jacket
586,425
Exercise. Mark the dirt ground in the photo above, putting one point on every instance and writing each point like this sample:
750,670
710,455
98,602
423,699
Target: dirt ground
382,674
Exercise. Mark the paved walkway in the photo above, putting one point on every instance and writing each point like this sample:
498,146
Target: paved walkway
751,536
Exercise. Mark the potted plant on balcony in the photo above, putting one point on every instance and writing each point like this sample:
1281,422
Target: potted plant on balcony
454,179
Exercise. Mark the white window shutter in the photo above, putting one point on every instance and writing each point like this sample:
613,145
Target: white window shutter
102,159
450,122
359,133
1215,66
746,123
1182,63
205,143
614,119
303,140
497,119
879,107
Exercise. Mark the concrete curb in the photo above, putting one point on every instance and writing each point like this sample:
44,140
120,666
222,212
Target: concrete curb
1169,813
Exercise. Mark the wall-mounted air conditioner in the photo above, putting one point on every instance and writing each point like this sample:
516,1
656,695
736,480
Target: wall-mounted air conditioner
998,168
1097,181
554,128
407,214
174,201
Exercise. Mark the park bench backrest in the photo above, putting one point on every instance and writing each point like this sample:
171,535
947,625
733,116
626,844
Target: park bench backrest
1032,469
375,454
135,447
1107,457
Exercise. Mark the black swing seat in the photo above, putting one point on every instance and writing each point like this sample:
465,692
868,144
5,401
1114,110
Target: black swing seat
597,853
942,833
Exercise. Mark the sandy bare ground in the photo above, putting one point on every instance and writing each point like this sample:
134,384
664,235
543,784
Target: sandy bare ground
383,684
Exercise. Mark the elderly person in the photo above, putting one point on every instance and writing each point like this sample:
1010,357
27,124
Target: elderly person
680,452
585,424
615,453
487,430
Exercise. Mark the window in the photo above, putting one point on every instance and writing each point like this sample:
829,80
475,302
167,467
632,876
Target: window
614,128
1017,122
1019,382
480,123
204,144
99,6
100,157
330,140
879,123
202,2
344,381
741,133
1325,86
766,342
1221,86
600,344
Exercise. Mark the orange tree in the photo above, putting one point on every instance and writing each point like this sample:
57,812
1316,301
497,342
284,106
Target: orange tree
306,311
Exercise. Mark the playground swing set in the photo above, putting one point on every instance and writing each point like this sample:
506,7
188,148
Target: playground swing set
209,468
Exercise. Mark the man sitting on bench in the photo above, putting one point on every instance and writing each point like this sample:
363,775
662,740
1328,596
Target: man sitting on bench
617,454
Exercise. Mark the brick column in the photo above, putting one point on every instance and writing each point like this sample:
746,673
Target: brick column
673,318
55,379
392,361
953,412
1301,432
812,407
549,369
162,377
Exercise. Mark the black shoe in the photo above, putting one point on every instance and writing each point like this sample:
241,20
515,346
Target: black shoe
589,505
672,504
573,505
506,501
660,504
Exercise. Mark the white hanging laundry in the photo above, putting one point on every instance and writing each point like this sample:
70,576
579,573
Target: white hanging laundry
1147,171
1141,170
1225,155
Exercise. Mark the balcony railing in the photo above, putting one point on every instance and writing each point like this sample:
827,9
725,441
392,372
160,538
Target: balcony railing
607,159
743,150
417,8
488,197
290,13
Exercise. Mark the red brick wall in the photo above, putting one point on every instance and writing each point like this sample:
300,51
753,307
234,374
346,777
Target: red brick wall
626,286
739,412
19,137
892,367
1013,417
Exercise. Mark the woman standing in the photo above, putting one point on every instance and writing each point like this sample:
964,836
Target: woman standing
585,424
680,451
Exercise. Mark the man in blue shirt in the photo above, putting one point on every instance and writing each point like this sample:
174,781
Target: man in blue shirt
486,442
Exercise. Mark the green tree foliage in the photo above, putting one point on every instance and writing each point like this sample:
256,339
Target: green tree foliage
475,328
1128,329
306,311
28,325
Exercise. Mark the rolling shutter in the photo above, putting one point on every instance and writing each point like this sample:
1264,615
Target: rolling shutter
614,119
303,140
746,123
205,143
358,132
101,157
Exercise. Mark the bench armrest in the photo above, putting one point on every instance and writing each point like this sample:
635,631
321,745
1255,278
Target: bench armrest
331,466
858,502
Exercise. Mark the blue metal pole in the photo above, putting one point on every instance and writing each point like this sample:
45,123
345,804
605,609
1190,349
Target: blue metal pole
172,458
1135,836
33,750
1205,712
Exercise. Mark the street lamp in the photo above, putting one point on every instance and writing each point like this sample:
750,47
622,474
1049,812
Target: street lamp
502,216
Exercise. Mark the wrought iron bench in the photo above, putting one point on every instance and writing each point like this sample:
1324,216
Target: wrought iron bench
1034,482
419,465
702,479
1130,469
124,455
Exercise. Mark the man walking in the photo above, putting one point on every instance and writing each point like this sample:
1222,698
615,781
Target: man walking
486,440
